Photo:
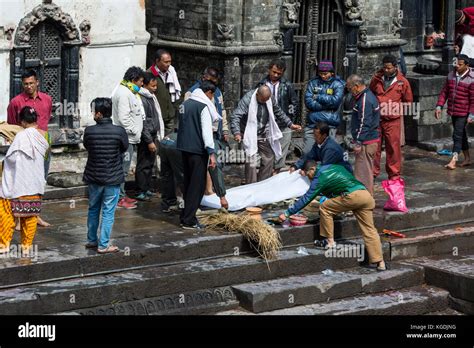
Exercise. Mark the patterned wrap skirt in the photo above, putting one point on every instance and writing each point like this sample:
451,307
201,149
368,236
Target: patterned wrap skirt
26,206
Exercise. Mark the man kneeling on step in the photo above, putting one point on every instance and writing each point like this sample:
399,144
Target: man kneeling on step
344,193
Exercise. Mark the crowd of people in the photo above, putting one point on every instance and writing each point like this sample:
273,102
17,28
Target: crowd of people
149,116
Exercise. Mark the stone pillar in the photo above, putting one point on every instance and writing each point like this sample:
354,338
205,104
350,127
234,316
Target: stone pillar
429,17
352,34
287,54
448,49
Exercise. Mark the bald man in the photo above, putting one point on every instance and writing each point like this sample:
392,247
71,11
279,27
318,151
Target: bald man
255,122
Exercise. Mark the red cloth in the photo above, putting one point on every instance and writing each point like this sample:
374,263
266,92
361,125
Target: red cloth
43,105
390,134
390,99
153,70
461,98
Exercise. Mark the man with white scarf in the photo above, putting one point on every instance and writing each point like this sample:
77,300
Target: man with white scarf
168,92
255,122
196,143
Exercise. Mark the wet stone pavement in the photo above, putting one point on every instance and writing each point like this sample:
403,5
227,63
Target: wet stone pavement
429,188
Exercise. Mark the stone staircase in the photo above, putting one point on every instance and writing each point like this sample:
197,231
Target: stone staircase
202,275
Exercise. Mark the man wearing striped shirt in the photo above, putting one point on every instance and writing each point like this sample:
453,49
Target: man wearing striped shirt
365,130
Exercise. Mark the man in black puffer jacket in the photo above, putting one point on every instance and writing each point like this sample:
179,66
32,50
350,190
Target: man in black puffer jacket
105,144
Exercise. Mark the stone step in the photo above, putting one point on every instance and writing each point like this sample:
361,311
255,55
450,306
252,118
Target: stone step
145,250
411,301
154,249
99,290
315,288
199,302
448,311
429,243
453,273
439,144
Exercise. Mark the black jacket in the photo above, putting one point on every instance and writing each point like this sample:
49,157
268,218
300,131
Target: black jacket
151,125
287,99
190,128
105,144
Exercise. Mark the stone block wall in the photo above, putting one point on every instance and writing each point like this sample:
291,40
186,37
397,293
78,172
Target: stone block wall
424,126
381,22
197,34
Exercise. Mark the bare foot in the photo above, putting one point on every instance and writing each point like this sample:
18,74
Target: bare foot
43,223
450,166
466,163
224,203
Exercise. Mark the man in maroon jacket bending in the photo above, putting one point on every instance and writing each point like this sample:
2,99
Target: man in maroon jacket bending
458,91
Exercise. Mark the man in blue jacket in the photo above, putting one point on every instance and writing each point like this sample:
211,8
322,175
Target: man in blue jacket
323,98
326,150
365,130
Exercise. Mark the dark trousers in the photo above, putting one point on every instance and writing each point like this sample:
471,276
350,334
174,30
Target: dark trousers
171,174
195,174
145,162
459,134
217,175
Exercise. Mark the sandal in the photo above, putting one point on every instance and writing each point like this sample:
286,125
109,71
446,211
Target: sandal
324,244
382,269
108,250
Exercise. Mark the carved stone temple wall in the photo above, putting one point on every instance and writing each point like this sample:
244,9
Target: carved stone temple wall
91,42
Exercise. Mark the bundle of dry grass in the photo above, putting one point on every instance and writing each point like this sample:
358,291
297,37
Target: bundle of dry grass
264,238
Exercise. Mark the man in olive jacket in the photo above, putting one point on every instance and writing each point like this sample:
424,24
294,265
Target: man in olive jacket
168,92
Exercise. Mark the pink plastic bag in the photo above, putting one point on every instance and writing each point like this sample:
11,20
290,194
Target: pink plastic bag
396,191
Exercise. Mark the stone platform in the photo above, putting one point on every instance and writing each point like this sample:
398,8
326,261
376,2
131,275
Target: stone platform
163,269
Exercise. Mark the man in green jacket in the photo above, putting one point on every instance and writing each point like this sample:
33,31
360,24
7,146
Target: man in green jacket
344,193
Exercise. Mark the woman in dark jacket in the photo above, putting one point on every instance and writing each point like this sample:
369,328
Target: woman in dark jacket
105,144
323,98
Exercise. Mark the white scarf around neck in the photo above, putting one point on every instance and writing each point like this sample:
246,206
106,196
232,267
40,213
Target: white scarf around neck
250,140
200,96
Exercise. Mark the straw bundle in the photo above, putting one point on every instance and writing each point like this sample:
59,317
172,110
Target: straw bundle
264,238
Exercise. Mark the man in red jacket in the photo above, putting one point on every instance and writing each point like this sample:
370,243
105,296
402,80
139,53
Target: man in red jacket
393,92
458,91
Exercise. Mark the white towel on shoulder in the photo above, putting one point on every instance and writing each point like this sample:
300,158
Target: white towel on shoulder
173,84
250,140
200,96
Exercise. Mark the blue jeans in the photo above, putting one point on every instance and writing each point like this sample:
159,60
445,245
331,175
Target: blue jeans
103,198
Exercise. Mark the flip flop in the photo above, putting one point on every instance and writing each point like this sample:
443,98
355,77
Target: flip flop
444,152
108,250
